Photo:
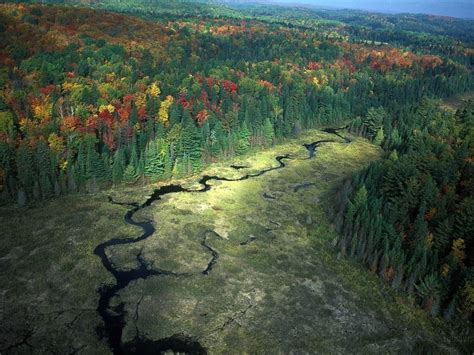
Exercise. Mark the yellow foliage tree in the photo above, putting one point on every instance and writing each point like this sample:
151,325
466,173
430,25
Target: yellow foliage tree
68,86
109,107
323,80
140,99
163,115
63,164
154,90
42,110
56,143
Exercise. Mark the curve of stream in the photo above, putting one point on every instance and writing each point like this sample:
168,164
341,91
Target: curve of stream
114,316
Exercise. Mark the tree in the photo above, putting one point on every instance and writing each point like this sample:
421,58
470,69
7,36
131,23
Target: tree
373,121
154,164
268,131
379,137
242,144
43,167
154,90
94,164
7,125
191,143
393,155
163,115
132,171
118,167
24,164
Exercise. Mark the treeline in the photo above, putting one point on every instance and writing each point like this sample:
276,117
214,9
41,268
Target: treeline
409,218
88,100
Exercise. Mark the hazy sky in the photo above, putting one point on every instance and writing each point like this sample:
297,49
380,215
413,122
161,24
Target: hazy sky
456,8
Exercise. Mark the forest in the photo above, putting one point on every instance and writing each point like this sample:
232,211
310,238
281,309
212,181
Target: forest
102,95
93,106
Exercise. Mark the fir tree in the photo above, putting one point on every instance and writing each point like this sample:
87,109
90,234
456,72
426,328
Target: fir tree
191,143
268,132
43,167
242,140
118,166
154,165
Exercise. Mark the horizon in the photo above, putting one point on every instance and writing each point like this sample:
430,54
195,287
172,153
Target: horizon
462,9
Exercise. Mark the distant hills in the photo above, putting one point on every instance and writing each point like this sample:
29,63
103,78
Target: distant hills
453,8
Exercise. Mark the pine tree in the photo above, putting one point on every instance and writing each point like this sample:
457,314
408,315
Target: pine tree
43,167
373,121
191,143
95,168
393,155
154,165
379,137
395,139
118,167
81,165
242,140
24,164
131,172
268,132
7,154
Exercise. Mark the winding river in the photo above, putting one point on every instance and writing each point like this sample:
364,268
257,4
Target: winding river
114,316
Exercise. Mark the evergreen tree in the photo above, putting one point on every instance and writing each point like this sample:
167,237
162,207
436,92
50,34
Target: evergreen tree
242,140
24,164
379,137
191,143
95,168
154,164
118,167
373,121
268,132
43,167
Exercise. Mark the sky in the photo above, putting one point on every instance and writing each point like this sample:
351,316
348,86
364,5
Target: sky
454,8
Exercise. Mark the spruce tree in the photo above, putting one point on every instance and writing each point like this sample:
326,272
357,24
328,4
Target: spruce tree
379,137
154,165
242,140
191,143
118,166
94,163
24,164
43,167
268,132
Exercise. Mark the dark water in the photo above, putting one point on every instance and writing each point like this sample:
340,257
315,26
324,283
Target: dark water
311,147
113,317
238,167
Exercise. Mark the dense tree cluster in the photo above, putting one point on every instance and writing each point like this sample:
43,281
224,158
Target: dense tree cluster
86,102
410,216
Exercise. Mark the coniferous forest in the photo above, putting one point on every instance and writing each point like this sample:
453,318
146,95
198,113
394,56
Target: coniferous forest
104,98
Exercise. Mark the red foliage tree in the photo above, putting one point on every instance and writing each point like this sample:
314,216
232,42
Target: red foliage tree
202,116
229,86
